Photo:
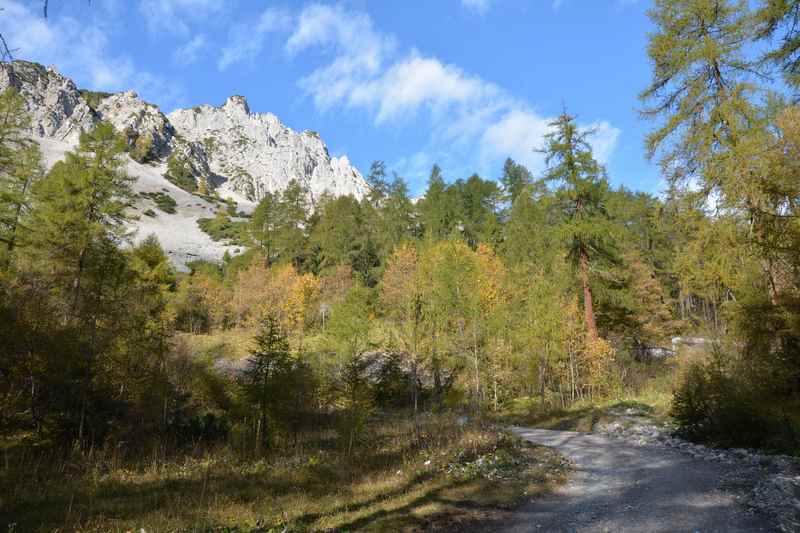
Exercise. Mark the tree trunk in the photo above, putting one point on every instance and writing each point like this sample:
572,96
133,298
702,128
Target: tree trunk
588,309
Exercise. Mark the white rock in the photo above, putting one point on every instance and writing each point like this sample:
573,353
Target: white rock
255,153
245,154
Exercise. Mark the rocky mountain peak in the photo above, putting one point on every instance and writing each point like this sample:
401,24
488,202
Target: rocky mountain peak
227,151
237,104
57,109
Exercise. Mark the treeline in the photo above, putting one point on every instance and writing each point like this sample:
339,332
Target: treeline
477,295
532,290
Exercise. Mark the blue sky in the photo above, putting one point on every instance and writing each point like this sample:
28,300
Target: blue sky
465,83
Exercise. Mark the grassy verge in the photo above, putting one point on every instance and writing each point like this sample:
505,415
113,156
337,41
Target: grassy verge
452,477
648,392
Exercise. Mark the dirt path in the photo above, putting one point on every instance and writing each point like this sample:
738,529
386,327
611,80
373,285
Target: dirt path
619,487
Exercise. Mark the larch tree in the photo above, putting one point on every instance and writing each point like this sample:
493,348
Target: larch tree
81,205
582,188
268,366
401,296
20,166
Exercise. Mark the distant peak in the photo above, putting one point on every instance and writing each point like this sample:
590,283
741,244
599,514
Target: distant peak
237,102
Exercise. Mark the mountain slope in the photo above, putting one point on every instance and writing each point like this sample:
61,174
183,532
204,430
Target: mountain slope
226,151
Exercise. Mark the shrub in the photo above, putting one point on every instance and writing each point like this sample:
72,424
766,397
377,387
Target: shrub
93,98
150,213
163,201
222,228
717,404
179,173
142,147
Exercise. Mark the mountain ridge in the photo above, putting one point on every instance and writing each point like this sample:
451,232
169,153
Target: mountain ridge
194,155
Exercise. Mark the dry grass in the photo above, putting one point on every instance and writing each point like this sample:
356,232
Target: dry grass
456,476
648,387
233,344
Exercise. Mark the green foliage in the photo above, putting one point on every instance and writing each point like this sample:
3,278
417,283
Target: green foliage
140,147
516,178
163,201
279,224
222,228
714,405
179,173
20,167
93,98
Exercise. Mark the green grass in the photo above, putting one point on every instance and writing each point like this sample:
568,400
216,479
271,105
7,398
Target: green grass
648,389
454,478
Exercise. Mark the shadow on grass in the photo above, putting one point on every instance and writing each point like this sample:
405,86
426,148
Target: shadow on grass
48,504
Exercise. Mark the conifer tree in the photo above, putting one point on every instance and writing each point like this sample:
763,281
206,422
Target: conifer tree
515,178
80,206
268,366
582,188
20,166
434,206
701,88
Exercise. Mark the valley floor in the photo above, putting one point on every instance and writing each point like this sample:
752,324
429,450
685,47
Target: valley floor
457,477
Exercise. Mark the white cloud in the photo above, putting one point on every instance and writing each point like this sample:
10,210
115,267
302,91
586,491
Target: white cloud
603,140
80,50
174,16
247,41
517,134
190,51
360,52
469,118
479,6
416,82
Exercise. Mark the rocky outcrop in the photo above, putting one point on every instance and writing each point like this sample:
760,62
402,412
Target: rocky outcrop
149,133
256,153
187,155
57,108
244,154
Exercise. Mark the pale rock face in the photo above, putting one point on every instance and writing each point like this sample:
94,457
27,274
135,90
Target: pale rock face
57,109
129,113
255,153
244,154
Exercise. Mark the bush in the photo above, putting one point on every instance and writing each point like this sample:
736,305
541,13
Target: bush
140,147
179,173
163,201
222,228
93,98
714,403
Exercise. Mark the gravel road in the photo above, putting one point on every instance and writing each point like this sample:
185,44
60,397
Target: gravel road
616,486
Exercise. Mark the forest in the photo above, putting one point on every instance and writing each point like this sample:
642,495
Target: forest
348,324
